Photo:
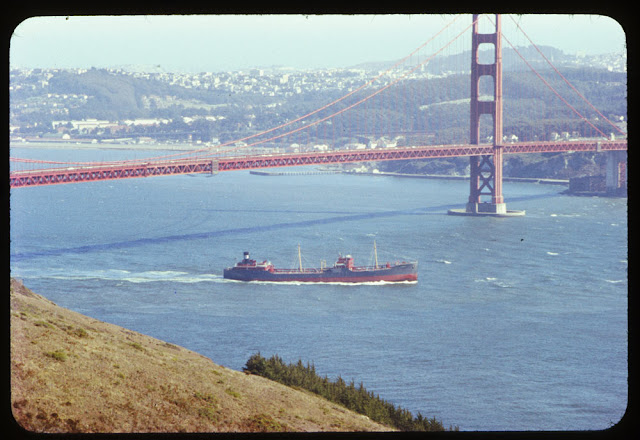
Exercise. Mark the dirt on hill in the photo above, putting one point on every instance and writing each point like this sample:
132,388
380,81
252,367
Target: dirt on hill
73,373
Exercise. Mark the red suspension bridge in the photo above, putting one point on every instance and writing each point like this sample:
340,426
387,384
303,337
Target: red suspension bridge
485,158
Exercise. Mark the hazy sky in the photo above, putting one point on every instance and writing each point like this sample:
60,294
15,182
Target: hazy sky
230,42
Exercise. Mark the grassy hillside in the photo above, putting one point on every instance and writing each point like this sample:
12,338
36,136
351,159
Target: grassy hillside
72,373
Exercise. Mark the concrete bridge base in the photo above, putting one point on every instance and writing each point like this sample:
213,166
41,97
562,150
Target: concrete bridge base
616,172
486,210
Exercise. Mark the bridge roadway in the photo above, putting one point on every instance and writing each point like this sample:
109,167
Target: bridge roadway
137,169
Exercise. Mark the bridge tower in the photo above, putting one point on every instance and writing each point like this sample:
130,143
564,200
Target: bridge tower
486,171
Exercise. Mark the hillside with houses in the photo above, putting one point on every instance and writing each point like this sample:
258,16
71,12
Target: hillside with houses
136,108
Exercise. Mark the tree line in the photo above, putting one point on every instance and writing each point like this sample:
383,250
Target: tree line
354,398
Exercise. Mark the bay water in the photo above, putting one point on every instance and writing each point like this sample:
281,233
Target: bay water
514,323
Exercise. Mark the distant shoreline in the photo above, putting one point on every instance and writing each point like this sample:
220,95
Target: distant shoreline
103,146
415,176
453,177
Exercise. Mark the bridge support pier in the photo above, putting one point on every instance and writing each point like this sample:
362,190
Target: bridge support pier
486,178
616,173
486,171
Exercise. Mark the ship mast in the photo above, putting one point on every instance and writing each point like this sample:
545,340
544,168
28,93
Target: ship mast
375,252
299,257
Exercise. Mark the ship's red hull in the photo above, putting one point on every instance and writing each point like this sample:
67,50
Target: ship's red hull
391,273
364,279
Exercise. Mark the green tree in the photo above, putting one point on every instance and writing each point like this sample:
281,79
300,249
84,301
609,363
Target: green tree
357,399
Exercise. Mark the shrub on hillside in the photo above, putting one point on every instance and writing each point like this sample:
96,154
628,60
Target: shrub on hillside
357,399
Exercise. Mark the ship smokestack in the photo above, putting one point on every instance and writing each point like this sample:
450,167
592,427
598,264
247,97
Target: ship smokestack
246,256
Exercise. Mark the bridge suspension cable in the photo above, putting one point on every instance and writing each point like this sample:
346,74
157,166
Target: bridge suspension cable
563,77
554,90
571,107
371,81
366,98
286,124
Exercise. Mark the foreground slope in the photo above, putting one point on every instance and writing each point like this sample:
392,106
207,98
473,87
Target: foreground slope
72,373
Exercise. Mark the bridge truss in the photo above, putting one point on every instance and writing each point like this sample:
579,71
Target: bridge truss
124,170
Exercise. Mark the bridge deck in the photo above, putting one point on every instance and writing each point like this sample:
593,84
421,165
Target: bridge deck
127,170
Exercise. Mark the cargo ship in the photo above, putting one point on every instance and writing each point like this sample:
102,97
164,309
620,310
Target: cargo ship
343,271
